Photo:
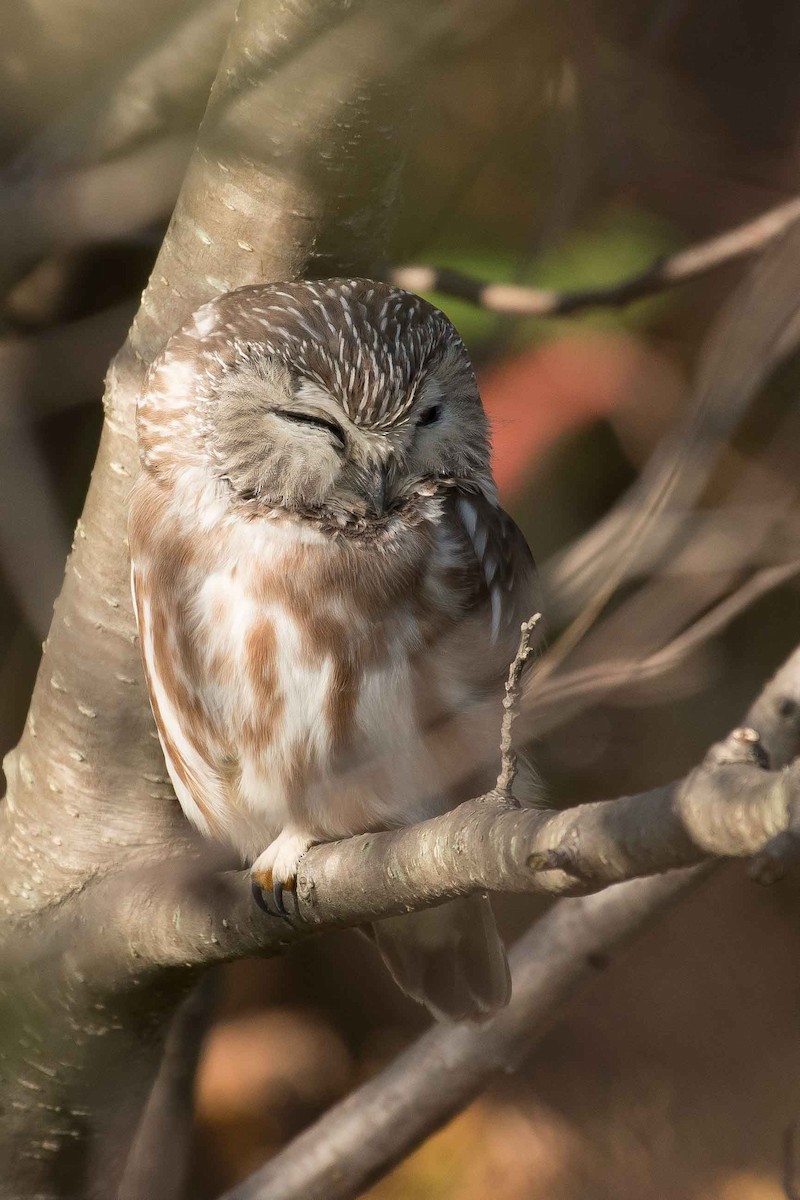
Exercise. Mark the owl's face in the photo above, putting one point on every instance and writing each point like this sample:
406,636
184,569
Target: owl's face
283,439
338,399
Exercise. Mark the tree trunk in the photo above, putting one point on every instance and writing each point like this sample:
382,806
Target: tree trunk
293,173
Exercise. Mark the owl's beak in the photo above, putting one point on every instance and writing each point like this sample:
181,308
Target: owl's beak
374,485
378,489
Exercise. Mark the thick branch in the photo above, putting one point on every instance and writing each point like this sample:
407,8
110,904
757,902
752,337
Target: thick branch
685,265
725,808
284,171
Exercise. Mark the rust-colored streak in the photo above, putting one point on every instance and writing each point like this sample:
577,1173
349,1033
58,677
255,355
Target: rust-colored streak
262,669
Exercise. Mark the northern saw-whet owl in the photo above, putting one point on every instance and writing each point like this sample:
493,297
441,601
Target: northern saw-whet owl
328,594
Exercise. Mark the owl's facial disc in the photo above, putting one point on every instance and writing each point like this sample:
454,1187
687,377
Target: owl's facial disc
285,441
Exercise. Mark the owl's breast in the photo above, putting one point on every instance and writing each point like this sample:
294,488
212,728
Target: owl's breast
305,655
293,676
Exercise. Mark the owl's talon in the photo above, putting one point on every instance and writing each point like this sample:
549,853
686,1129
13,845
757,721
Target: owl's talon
262,889
275,873
259,897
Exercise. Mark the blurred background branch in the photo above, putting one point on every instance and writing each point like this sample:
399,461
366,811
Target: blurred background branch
358,1140
681,267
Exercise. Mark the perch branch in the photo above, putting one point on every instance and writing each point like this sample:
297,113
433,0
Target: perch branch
731,805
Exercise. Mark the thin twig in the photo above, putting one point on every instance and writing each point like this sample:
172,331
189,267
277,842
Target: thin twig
690,263
511,704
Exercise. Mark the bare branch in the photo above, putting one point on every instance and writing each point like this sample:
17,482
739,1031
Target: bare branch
727,806
791,1187
58,367
104,201
164,88
30,516
158,1163
113,162
685,265
560,697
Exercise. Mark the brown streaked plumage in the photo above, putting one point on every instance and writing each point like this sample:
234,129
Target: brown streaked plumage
328,594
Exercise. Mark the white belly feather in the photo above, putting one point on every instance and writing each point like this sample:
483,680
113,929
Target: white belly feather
393,776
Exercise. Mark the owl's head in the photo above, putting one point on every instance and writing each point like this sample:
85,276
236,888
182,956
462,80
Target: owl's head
337,398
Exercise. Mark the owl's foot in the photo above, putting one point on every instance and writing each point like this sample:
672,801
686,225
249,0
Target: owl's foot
274,873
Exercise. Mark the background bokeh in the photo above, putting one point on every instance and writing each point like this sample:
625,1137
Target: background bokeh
569,146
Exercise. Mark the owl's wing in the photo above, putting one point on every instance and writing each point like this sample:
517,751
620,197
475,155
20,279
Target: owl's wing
451,958
490,577
500,575
188,749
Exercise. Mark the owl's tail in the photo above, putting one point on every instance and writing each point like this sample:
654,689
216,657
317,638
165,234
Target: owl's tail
450,958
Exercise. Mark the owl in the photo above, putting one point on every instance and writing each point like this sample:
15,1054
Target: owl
327,592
